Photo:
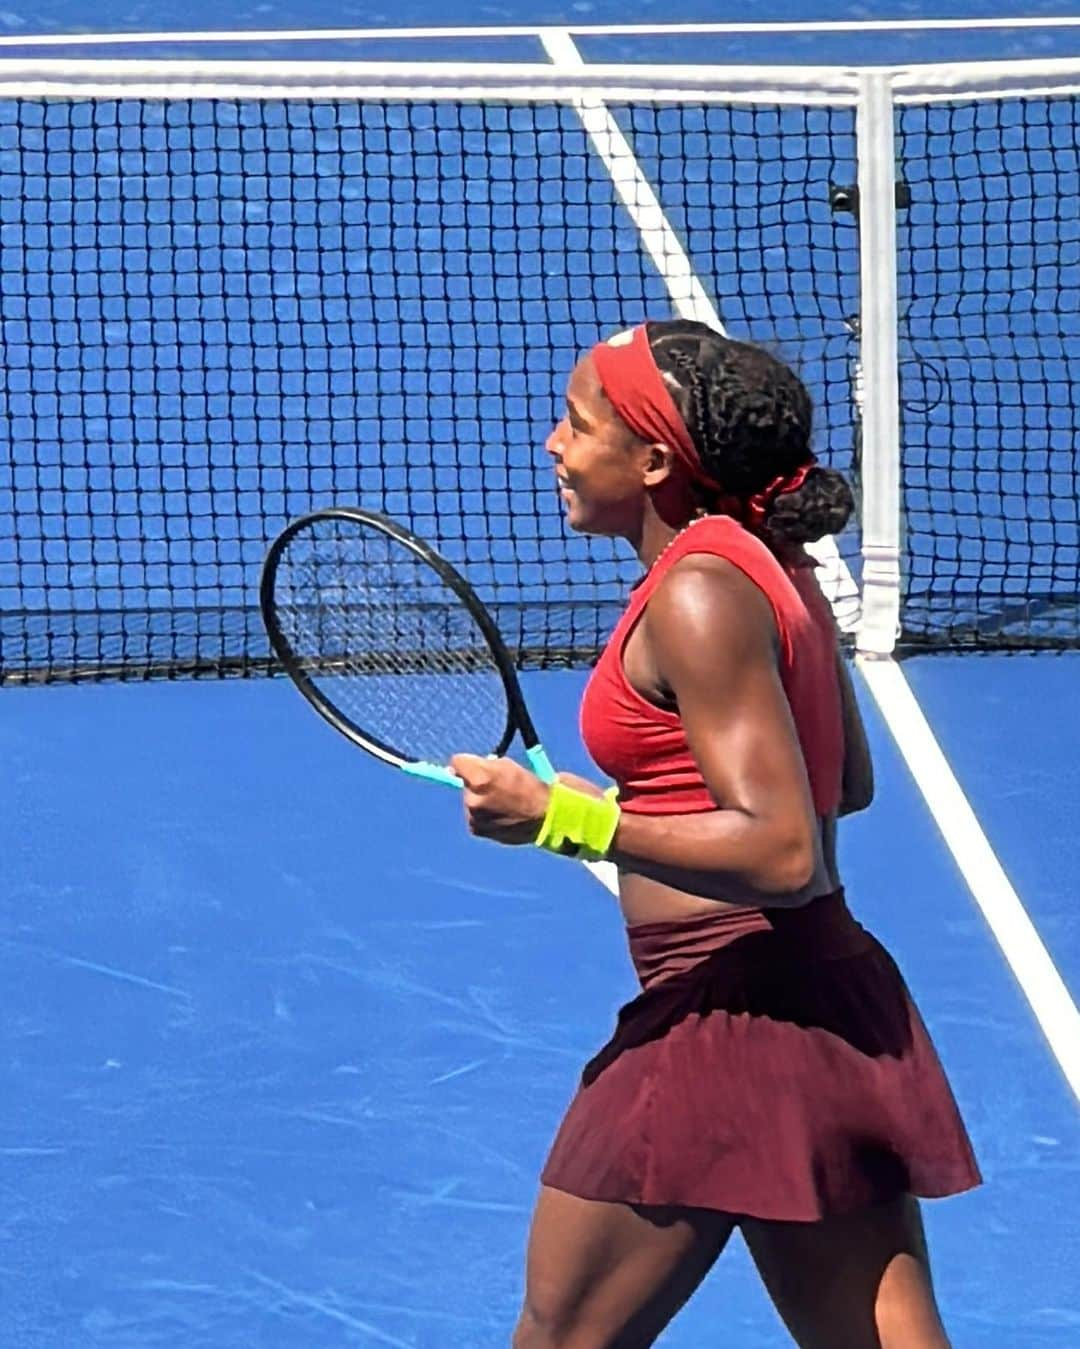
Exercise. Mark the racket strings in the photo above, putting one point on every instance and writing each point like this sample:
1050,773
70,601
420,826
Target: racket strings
384,638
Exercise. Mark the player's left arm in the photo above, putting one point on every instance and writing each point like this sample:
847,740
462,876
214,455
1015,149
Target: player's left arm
713,640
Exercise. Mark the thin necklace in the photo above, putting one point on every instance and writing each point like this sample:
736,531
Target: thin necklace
677,535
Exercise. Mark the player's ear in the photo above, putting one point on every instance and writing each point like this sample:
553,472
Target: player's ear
659,459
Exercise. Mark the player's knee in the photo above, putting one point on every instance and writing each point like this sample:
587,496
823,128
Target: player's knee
548,1320
529,1333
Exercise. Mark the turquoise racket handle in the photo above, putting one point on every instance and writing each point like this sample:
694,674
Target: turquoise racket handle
432,772
541,764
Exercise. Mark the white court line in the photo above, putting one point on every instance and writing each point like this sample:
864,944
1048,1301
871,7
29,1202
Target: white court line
1010,923
636,193
512,31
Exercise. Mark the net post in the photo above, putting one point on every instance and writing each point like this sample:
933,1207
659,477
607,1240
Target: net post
880,623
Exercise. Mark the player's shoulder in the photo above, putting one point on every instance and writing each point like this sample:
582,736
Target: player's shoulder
703,594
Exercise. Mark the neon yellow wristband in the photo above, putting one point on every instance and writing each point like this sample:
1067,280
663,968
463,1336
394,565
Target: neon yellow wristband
579,825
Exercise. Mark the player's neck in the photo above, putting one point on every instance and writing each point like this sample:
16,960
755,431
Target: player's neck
667,511
657,535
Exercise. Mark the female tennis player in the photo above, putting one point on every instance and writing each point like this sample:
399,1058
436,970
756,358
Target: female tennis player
773,1075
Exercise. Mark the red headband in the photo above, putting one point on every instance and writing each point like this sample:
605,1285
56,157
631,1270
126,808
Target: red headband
635,388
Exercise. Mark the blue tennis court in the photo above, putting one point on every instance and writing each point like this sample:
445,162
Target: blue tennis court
284,1047
274,1082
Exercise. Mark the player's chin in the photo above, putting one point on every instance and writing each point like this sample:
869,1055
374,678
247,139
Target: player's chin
581,522
582,517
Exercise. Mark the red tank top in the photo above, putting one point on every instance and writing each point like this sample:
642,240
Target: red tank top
644,748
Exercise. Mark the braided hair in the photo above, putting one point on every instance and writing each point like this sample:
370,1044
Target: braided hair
750,418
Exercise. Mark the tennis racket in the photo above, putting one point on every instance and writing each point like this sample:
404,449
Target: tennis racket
392,645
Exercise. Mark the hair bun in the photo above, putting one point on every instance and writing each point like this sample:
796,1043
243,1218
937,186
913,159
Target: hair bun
822,505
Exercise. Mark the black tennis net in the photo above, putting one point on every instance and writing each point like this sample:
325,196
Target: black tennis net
216,314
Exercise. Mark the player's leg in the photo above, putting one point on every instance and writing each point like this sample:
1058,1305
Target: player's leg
611,1276
860,1281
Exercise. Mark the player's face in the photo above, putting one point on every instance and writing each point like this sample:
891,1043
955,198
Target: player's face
599,462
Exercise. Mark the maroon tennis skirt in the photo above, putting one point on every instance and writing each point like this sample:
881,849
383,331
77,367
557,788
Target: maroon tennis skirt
774,1066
